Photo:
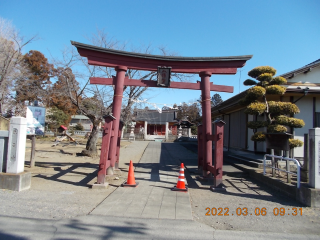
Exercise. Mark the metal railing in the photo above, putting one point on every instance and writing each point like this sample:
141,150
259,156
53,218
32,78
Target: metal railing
288,167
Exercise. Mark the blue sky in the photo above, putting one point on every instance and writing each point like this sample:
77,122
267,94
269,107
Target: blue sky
284,34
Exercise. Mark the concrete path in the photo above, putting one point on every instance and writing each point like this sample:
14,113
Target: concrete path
157,173
104,227
133,151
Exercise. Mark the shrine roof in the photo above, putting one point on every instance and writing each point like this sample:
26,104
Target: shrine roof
154,117
159,57
184,123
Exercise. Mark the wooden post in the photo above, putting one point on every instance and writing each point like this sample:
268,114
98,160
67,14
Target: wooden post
200,152
273,163
116,166
33,150
206,122
288,168
218,153
305,168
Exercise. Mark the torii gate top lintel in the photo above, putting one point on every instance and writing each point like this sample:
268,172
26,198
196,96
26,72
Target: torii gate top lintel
112,58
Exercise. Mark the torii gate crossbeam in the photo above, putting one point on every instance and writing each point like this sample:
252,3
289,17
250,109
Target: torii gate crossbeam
122,61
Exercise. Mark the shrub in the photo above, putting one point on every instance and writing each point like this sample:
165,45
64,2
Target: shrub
291,122
265,77
256,108
257,71
249,82
295,143
258,137
275,89
257,124
255,92
278,81
194,130
277,128
283,108
79,127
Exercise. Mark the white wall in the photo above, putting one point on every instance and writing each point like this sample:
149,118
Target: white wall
305,105
310,77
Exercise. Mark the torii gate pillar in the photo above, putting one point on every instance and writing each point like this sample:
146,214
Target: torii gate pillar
116,112
206,122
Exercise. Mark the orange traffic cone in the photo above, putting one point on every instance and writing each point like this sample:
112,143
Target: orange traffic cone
131,182
181,182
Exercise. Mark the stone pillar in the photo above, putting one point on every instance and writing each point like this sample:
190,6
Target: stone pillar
314,160
145,130
167,131
17,145
4,138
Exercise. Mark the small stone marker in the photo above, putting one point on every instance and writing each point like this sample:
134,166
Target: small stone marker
17,145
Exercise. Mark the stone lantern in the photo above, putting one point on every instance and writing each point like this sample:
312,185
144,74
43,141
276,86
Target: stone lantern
132,126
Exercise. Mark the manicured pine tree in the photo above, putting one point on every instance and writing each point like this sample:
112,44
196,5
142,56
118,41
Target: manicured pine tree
277,113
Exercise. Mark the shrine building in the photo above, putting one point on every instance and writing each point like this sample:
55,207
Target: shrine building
155,125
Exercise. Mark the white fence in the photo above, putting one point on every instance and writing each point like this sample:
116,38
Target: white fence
75,133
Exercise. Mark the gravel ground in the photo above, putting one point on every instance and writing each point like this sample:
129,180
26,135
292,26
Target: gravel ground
59,185
248,195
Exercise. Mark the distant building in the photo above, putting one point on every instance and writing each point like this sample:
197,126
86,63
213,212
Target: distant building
83,120
155,125
303,88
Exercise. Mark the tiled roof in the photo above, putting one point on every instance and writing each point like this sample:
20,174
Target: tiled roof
154,117
303,69
317,61
79,117
159,57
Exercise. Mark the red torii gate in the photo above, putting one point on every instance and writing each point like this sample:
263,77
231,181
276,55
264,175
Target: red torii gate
122,61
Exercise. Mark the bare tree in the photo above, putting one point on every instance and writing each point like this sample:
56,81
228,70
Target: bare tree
12,66
190,112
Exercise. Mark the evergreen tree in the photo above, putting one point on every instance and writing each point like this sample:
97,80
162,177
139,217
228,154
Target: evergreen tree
277,113
216,100
57,117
